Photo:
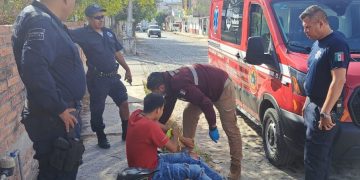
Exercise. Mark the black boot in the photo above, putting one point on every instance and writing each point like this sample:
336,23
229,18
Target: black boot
124,125
102,140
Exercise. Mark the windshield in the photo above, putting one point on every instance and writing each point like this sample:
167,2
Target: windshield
343,17
154,27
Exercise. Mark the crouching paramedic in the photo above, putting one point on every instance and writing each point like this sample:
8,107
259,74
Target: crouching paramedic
145,136
202,86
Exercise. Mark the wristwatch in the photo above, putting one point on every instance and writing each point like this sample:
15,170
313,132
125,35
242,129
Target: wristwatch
324,115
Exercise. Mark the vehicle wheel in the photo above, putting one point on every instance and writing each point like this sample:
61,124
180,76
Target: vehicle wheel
148,35
159,36
274,144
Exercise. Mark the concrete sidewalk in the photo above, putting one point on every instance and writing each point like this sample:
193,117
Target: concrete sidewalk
106,163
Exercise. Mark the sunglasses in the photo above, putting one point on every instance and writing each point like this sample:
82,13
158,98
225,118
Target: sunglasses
98,17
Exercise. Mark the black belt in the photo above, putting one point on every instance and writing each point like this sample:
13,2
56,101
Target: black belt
111,74
98,73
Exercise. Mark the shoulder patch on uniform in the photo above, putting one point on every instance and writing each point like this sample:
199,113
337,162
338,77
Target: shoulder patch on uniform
36,34
109,34
339,57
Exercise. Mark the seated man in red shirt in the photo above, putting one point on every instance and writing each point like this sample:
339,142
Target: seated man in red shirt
144,136
203,86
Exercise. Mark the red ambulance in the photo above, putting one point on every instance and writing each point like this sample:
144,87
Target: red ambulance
261,44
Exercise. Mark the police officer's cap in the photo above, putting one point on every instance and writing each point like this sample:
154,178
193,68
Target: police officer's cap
93,9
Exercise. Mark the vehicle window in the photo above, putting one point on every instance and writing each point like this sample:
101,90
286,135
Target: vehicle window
259,26
343,18
154,27
231,20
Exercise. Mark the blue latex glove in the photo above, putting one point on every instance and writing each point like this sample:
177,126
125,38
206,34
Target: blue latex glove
214,134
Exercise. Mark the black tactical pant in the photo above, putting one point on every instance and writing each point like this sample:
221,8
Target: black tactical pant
43,130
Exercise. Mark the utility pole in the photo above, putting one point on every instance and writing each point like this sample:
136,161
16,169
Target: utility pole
129,23
129,40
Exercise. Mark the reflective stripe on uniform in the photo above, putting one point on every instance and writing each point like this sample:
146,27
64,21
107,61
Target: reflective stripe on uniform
193,71
172,73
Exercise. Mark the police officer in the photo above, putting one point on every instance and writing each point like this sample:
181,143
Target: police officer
203,86
327,65
53,74
102,50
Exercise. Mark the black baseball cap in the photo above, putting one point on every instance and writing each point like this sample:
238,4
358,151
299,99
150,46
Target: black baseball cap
93,9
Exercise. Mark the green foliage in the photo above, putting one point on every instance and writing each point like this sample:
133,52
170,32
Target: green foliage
142,9
160,18
9,9
201,8
112,7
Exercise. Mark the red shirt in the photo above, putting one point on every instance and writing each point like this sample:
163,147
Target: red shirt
143,138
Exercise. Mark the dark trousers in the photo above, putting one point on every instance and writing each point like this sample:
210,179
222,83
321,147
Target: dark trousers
99,88
47,172
318,145
43,130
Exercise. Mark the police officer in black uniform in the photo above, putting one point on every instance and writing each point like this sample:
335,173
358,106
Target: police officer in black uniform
328,62
53,74
102,50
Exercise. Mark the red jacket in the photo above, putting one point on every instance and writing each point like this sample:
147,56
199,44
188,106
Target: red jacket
198,84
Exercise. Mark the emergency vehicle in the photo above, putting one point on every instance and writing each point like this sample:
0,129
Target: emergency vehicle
261,44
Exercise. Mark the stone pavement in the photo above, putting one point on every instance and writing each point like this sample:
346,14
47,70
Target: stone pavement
106,163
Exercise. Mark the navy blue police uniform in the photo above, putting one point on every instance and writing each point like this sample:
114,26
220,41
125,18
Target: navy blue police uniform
53,74
327,54
102,76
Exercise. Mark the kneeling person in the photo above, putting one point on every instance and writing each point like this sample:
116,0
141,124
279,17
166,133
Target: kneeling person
144,136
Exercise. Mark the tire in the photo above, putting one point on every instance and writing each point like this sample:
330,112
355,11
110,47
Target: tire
274,144
148,35
159,36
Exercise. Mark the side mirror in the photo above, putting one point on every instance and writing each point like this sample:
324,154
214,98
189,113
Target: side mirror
255,53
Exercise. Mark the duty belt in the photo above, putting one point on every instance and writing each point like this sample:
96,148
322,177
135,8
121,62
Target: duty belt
98,73
102,74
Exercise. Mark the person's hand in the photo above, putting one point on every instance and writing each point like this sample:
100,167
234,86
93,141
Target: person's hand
128,77
326,123
68,119
188,142
214,134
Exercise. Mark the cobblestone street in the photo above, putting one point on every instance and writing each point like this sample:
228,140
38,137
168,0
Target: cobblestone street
166,53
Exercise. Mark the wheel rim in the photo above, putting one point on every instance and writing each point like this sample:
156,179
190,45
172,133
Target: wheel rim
270,137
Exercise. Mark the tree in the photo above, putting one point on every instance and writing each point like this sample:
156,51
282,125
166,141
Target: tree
201,8
112,7
141,10
160,17
9,9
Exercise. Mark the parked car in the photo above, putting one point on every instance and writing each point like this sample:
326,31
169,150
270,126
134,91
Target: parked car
154,30
138,28
261,44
